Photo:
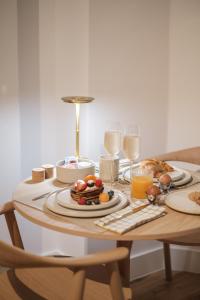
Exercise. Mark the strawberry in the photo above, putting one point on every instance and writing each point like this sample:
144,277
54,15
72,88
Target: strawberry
82,201
98,182
80,185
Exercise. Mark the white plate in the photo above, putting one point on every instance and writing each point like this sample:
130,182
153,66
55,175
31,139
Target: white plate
186,179
52,205
180,202
179,176
64,199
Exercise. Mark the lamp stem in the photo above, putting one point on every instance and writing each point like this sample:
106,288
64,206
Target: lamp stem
77,128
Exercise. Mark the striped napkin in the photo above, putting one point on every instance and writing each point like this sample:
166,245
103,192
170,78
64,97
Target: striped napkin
134,215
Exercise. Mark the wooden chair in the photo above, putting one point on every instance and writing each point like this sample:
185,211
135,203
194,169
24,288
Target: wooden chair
35,277
190,155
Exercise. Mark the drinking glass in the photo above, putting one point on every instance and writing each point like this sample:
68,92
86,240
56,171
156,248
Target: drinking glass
131,144
141,179
112,138
112,145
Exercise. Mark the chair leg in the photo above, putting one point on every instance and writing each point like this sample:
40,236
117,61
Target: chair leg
77,285
124,265
13,229
115,281
167,259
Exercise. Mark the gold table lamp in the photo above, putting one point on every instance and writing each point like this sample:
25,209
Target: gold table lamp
77,100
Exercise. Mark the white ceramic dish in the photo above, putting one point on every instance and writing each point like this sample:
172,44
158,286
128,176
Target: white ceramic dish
179,177
69,175
64,199
180,201
52,205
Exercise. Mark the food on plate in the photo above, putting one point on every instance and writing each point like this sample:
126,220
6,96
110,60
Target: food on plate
80,185
98,182
152,192
158,167
90,191
90,177
104,197
165,179
195,196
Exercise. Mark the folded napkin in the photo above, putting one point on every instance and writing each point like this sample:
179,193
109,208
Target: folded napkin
134,215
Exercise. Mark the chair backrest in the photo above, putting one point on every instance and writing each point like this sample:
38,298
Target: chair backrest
13,257
190,155
16,257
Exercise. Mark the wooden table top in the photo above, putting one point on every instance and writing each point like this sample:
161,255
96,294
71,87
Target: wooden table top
174,224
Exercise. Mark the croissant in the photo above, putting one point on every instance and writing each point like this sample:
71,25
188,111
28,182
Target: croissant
158,167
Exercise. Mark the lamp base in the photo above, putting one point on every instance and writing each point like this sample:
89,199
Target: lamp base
72,172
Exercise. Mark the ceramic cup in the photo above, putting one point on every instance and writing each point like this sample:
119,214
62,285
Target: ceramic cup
109,168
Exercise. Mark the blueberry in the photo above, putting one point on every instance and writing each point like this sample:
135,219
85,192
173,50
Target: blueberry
110,194
90,183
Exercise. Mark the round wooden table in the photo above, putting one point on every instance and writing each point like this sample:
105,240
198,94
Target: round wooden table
174,225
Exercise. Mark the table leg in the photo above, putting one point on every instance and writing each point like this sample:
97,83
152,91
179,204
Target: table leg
124,265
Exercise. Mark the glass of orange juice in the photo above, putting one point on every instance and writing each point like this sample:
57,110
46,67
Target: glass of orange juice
140,180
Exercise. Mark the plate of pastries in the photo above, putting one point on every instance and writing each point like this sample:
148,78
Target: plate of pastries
158,167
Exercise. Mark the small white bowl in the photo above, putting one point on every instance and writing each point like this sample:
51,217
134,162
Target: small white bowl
70,175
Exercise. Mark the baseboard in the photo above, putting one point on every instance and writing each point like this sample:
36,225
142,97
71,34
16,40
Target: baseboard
185,259
146,263
182,258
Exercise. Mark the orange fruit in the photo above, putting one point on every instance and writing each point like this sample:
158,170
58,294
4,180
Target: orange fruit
90,177
104,197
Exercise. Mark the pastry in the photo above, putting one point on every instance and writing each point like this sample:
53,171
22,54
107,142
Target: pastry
195,196
158,167
90,193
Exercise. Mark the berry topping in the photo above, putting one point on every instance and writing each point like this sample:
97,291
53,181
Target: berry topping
90,177
98,182
90,183
104,197
82,201
80,185
111,192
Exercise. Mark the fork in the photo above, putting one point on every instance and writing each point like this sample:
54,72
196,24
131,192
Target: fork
48,193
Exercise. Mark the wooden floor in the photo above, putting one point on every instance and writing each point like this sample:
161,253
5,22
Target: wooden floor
184,286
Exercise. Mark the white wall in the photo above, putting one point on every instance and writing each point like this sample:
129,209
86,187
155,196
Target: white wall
184,74
128,69
63,48
9,107
29,85
63,72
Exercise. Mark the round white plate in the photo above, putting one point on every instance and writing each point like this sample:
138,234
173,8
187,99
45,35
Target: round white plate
180,201
64,199
186,179
52,205
179,177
